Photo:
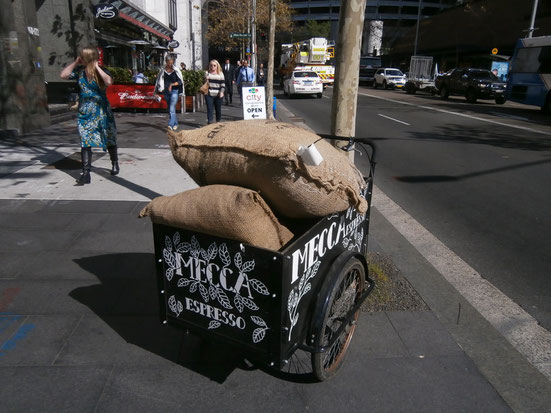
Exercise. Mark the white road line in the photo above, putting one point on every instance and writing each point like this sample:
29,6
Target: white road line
449,112
515,324
395,120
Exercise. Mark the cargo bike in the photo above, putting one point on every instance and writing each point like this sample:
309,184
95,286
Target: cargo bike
269,304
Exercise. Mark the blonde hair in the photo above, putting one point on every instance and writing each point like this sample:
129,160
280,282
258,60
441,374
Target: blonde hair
90,56
218,67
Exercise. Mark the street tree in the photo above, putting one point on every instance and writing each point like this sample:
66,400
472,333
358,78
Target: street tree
233,16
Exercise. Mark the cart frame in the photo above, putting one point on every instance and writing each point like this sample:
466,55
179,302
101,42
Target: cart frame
266,303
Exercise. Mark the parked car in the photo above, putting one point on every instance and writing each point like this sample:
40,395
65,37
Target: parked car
303,82
368,67
389,78
472,83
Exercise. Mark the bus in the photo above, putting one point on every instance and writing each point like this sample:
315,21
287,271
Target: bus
530,73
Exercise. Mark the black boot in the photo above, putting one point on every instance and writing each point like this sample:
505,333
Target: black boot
114,159
84,178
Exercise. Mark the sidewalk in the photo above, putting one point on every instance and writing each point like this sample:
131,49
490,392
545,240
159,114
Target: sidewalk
79,326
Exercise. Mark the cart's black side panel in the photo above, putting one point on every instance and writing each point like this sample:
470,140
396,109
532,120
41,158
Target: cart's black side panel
228,289
309,258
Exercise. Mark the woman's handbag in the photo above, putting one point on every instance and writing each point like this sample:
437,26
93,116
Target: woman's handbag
205,88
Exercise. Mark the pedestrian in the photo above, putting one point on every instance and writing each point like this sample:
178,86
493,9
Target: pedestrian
182,66
95,120
244,78
229,74
170,83
217,85
261,75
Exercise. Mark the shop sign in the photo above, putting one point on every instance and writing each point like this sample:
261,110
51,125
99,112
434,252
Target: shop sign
105,11
173,44
135,96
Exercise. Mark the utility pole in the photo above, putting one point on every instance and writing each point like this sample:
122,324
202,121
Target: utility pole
417,28
348,50
270,65
533,19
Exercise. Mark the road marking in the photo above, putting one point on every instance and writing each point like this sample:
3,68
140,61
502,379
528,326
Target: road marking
395,120
449,112
515,324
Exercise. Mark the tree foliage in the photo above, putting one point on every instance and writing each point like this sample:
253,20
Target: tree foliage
229,16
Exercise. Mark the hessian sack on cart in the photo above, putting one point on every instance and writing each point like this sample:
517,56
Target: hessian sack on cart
262,155
223,211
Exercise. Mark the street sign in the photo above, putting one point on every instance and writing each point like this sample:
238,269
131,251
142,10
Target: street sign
240,35
254,102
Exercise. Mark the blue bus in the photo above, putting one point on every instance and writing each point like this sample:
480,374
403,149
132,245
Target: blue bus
530,73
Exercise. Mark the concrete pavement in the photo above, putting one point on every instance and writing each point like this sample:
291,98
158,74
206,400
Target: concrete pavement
79,327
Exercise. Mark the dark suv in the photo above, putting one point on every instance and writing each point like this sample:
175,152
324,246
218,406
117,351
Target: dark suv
368,66
472,83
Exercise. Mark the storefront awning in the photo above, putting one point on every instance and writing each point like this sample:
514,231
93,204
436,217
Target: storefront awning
139,18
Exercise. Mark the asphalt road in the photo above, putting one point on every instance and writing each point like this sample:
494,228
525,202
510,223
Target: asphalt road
476,176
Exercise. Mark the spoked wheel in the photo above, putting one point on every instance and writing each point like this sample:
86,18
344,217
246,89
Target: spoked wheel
348,288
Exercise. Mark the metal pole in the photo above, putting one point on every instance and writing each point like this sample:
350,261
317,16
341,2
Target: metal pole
348,48
533,19
253,38
270,65
417,28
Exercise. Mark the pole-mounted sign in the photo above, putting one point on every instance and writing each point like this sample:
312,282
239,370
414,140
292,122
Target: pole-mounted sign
240,35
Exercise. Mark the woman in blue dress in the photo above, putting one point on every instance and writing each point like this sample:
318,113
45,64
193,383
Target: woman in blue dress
96,124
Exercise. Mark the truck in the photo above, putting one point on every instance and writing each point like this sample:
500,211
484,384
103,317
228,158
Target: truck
421,75
529,79
313,55
472,83
368,67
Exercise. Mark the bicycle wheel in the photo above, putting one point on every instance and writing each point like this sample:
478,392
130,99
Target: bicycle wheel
349,286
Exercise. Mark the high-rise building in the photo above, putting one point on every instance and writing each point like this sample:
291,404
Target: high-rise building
385,20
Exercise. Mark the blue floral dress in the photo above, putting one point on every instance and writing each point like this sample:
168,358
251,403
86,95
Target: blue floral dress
95,120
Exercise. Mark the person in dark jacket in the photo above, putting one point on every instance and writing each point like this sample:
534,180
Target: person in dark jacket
229,74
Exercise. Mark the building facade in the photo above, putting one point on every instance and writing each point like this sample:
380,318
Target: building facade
385,20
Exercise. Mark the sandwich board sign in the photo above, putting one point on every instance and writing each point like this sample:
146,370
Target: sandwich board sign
254,102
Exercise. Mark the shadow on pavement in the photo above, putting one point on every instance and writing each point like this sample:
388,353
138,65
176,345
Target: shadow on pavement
127,301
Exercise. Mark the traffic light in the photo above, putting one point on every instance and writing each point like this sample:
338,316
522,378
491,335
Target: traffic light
263,36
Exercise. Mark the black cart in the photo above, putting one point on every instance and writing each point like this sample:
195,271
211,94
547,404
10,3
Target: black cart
269,303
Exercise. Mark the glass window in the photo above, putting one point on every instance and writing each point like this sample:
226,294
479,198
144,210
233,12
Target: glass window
394,73
527,60
172,16
306,74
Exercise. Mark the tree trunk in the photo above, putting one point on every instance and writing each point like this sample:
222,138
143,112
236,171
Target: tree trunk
345,89
270,68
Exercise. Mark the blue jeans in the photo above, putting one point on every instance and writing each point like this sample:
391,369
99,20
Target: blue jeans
171,100
213,103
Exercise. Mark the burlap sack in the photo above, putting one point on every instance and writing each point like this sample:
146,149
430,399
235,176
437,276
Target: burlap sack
223,211
261,155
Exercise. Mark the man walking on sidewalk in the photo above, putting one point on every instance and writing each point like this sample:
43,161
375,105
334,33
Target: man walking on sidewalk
228,69
244,78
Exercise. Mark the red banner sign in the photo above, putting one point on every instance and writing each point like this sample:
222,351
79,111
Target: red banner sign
135,97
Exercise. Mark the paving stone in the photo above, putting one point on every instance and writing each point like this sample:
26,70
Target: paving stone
95,206
150,389
122,340
75,265
37,340
43,297
379,336
423,334
35,241
52,389
114,241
